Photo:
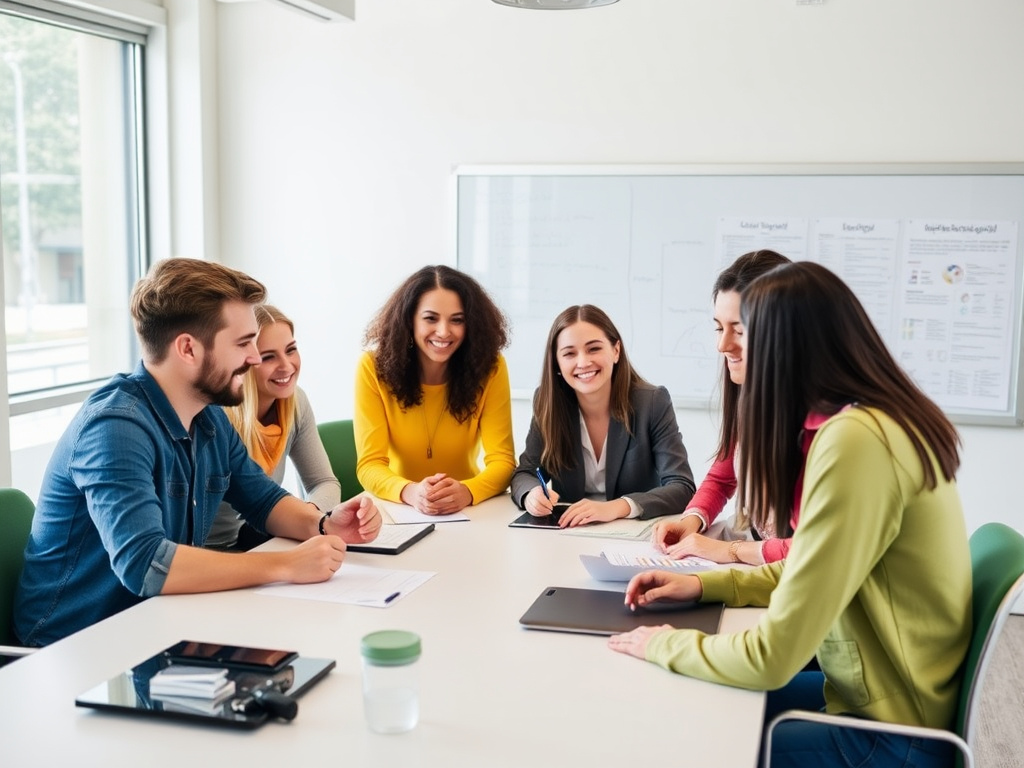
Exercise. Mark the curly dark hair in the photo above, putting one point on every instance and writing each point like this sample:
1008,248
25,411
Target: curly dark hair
390,336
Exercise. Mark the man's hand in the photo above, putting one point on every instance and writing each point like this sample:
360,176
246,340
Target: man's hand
356,521
314,560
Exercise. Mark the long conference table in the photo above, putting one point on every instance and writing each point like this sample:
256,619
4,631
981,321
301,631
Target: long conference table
491,693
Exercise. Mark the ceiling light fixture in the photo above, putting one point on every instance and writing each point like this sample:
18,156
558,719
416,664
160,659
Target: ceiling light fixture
554,5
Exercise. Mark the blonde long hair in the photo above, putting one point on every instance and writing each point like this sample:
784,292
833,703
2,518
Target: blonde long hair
243,417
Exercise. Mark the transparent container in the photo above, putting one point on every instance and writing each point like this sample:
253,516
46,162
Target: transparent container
390,680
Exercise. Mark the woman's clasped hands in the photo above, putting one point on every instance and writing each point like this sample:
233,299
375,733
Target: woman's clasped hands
437,495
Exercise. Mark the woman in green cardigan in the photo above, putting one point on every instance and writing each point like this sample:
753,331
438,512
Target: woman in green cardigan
877,584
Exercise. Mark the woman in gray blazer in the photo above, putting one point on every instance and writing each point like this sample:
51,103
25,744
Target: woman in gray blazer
607,440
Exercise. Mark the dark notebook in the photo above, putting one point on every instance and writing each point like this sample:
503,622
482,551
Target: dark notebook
601,612
526,520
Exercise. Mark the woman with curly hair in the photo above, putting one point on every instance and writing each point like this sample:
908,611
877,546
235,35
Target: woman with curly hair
432,396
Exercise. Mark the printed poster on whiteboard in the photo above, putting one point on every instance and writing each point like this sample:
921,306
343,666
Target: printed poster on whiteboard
956,310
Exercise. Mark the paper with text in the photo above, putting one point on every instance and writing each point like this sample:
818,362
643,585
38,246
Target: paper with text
616,529
402,514
356,585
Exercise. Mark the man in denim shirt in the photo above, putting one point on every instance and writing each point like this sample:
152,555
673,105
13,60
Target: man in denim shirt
134,483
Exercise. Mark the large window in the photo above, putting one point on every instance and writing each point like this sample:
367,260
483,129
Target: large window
71,206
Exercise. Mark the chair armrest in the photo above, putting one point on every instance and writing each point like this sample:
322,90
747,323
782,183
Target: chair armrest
897,729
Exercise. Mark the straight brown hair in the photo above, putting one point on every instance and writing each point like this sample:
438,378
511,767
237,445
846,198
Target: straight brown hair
555,406
812,347
736,277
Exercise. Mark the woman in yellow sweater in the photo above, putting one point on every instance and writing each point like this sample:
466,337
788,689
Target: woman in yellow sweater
432,396
877,583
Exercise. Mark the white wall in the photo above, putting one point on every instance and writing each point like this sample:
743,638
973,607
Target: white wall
337,140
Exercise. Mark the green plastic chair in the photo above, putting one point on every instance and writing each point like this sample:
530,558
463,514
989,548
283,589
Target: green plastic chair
339,440
16,510
997,568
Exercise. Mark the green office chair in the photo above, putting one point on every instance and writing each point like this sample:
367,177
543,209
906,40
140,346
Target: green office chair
339,439
16,510
997,565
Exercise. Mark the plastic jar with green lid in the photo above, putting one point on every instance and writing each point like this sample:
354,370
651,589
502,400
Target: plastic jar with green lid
390,685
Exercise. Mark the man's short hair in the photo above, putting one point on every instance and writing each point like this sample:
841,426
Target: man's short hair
187,296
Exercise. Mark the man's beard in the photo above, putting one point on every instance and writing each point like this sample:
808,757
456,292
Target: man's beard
219,393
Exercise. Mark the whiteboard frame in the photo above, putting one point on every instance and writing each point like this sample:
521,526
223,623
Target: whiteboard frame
1015,417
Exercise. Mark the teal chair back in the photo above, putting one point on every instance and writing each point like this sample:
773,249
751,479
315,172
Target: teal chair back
339,440
16,510
997,567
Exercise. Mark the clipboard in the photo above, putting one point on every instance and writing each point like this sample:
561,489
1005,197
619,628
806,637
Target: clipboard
393,539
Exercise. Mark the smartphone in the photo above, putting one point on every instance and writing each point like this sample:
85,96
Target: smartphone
265,660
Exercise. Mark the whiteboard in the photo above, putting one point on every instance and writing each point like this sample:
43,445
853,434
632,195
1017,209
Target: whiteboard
932,251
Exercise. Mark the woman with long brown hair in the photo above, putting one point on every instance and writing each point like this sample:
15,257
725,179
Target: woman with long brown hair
877,583
693,533
607,440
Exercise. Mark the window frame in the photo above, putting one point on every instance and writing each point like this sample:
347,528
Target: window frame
133,21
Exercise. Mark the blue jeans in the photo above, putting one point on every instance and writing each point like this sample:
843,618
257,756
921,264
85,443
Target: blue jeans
797,744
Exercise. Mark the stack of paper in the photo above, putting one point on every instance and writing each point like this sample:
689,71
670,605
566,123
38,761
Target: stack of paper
205,684
625,562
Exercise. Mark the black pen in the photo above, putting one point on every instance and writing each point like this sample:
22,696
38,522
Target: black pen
392,596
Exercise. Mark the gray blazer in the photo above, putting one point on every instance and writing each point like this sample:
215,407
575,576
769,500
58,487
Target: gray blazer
649,466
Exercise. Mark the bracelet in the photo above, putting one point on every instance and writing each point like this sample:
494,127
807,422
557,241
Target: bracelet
733,553
325,516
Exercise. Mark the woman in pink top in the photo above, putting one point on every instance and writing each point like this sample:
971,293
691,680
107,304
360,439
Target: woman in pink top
680,538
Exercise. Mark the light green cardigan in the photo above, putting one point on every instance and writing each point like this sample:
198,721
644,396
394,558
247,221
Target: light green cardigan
877,584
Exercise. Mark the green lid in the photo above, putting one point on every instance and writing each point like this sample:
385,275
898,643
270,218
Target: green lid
391,646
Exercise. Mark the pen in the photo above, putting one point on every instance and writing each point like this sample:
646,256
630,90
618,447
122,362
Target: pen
392,596
543,485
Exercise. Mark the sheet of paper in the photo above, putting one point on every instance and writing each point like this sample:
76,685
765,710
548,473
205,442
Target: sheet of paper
403,514
616,529
655,559
356,585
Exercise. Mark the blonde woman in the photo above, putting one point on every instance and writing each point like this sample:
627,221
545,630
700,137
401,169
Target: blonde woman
275,422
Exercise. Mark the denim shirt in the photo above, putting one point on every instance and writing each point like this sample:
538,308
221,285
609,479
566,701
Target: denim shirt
116,502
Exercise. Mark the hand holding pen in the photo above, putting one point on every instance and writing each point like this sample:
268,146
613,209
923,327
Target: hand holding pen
540,501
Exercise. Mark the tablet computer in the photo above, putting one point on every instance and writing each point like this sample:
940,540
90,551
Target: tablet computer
526,520
603,612
129,693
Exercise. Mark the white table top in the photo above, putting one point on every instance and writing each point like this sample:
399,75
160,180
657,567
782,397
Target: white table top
491,693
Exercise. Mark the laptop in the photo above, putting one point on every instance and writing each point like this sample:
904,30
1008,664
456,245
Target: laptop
603,612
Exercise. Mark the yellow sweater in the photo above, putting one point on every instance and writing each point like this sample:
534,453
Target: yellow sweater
877,584
392,444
